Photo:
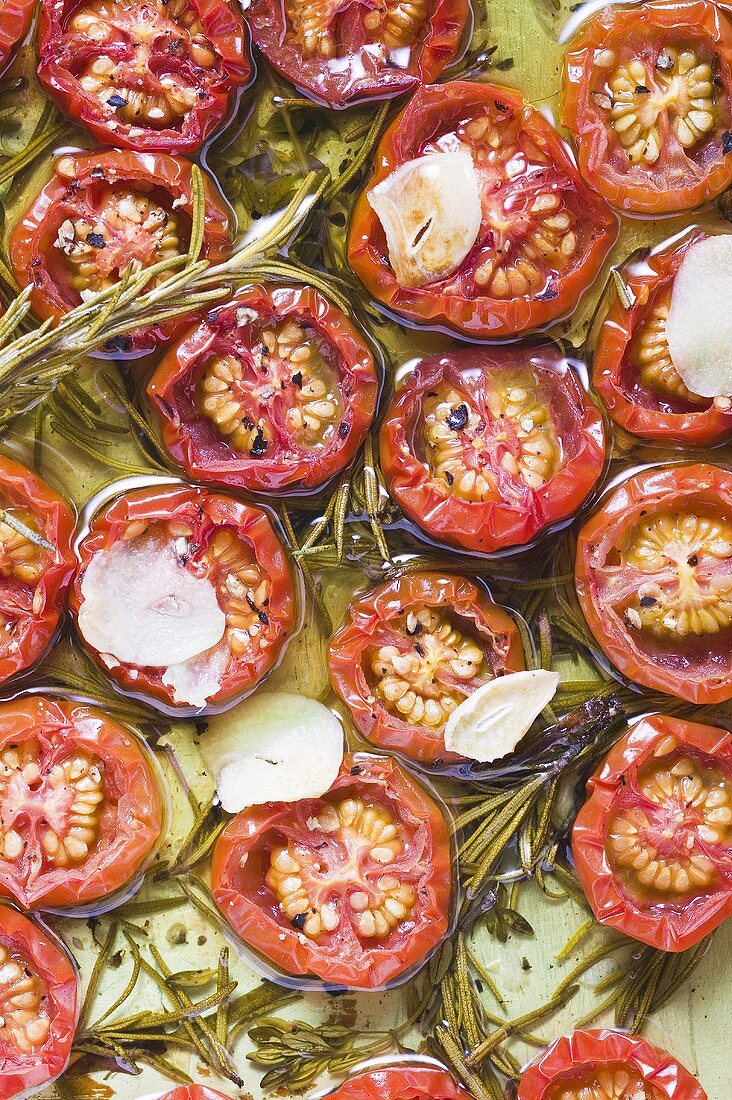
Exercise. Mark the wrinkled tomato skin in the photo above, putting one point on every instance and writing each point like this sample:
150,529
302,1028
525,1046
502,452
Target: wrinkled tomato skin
77,180
204,511
702,682
590,1049
436,47
56,49
485,527
21,1074
193,441
477,613
400,1082
642,413
193,1092
700,22
16,19
36,626
430,112
249,907
672,927
128,834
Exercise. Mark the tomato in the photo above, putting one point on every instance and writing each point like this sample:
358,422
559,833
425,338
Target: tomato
99,212
400,1082
411,651
345,52
16,19
484,449
648,98
607,1065
39,991
144,74
633,371
80,804
222,553
653,842
276,389
544,234
654,579
354,887
193,1092
34,575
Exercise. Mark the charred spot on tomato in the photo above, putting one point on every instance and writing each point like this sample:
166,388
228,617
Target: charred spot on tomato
613,1081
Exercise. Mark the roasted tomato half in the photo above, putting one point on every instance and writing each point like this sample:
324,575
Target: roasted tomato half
538,237
38,1006
653,843
607,1065
80,804
411,651
648,97
36,565
99,212
345,52
633,371
184,596
144,74
193,1092
485,449
654,579
274,390
15,19
401,1082
353,888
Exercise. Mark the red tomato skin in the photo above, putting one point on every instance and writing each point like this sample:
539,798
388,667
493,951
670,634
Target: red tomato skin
447,23
659,484
32,238
193,1092
280,944
17,16
668,928
432,110
37,628
489,526
23,1074
194,443
130,834
467,600
400,1082
165,502
595,1047
223,26
701,22
699,427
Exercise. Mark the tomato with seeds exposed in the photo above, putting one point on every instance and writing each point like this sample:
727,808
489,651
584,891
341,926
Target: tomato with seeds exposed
543,233
101,211
414,649
39,991
648,98
653,575
607,1065
354,887
345,52
401,1082
274,390
485,449
159,75
15,19
653,842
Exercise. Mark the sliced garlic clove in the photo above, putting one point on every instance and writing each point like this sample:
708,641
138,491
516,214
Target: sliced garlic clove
699,324
489,724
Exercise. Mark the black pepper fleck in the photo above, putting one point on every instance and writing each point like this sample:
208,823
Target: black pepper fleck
458,418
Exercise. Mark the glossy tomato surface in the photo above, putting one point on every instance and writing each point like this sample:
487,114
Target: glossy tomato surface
605,1063
653,842
633,371
345,52
544,233
34,575
144,74
353,888
226,542
15,19
80,804
193,1092
484,449
36,1037
275,390
653,575
400,1082
411,651
99,212
648,98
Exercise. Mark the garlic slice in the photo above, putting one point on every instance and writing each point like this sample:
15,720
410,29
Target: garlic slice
699,324
430,209
489,724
